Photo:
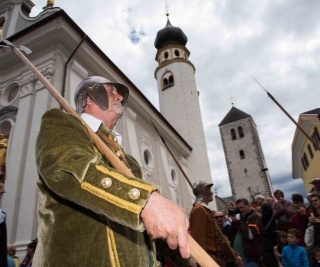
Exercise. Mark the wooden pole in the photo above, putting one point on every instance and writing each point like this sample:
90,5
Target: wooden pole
289,116
196,251
174,158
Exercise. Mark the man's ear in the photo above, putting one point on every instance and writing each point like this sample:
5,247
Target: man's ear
88,104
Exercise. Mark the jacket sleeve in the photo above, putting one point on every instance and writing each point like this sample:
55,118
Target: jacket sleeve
251,229
304,258
71,167
284,258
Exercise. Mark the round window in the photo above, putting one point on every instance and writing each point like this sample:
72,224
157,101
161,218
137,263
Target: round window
147,158
174,177
10,94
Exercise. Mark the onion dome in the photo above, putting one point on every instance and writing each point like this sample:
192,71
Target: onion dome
170,35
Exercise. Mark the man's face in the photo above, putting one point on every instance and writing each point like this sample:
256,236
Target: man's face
220,217
316,185
207,194
297,204
244,209
292,239
278,197
315,202
270,200
259,201
2,191
114,99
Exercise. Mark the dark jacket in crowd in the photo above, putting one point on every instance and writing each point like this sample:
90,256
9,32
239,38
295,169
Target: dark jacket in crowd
249,227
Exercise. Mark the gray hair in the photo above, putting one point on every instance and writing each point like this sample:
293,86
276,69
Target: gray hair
259,197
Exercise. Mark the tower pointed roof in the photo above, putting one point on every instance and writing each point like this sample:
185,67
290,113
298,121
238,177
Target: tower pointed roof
313,112
170,35
234,115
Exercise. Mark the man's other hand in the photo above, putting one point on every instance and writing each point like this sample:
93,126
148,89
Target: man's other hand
165,219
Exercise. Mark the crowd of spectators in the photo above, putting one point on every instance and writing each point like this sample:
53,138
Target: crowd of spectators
269,232
273,231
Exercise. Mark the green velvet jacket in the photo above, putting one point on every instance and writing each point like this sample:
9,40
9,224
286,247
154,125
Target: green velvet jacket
88,215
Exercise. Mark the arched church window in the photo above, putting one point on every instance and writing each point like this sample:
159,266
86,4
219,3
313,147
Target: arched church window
170,80
316,137
6,127
240,131
165,83
242,155
233,134
305,162
7,119
177,53
167,80
310,151
166,55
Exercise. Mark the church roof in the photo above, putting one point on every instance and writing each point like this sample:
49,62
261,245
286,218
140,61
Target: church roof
234,115
315,111
170,35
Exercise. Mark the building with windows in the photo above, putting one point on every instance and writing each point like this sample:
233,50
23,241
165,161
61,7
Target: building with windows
65,55
247,169
306,155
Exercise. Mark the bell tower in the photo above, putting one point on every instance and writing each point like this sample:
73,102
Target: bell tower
179,97
247,168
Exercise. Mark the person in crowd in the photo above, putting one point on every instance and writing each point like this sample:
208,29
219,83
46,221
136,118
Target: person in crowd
269,234
270,201
314,218
109,218
224,224
204,228
27,261
294,255
12,253
300,219
284,209
281,243
247,232
3,231
3,216
315,188
316,185
230,206
10,261
259,200
315,258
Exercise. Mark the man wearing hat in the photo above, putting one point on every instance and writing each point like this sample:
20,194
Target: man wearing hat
89,213
316,185
205,229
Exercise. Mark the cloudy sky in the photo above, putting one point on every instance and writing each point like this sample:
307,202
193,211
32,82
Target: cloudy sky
277,42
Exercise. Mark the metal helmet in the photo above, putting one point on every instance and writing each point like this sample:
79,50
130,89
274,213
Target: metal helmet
93,87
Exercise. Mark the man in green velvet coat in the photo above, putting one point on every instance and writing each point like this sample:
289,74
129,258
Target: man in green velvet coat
89,213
